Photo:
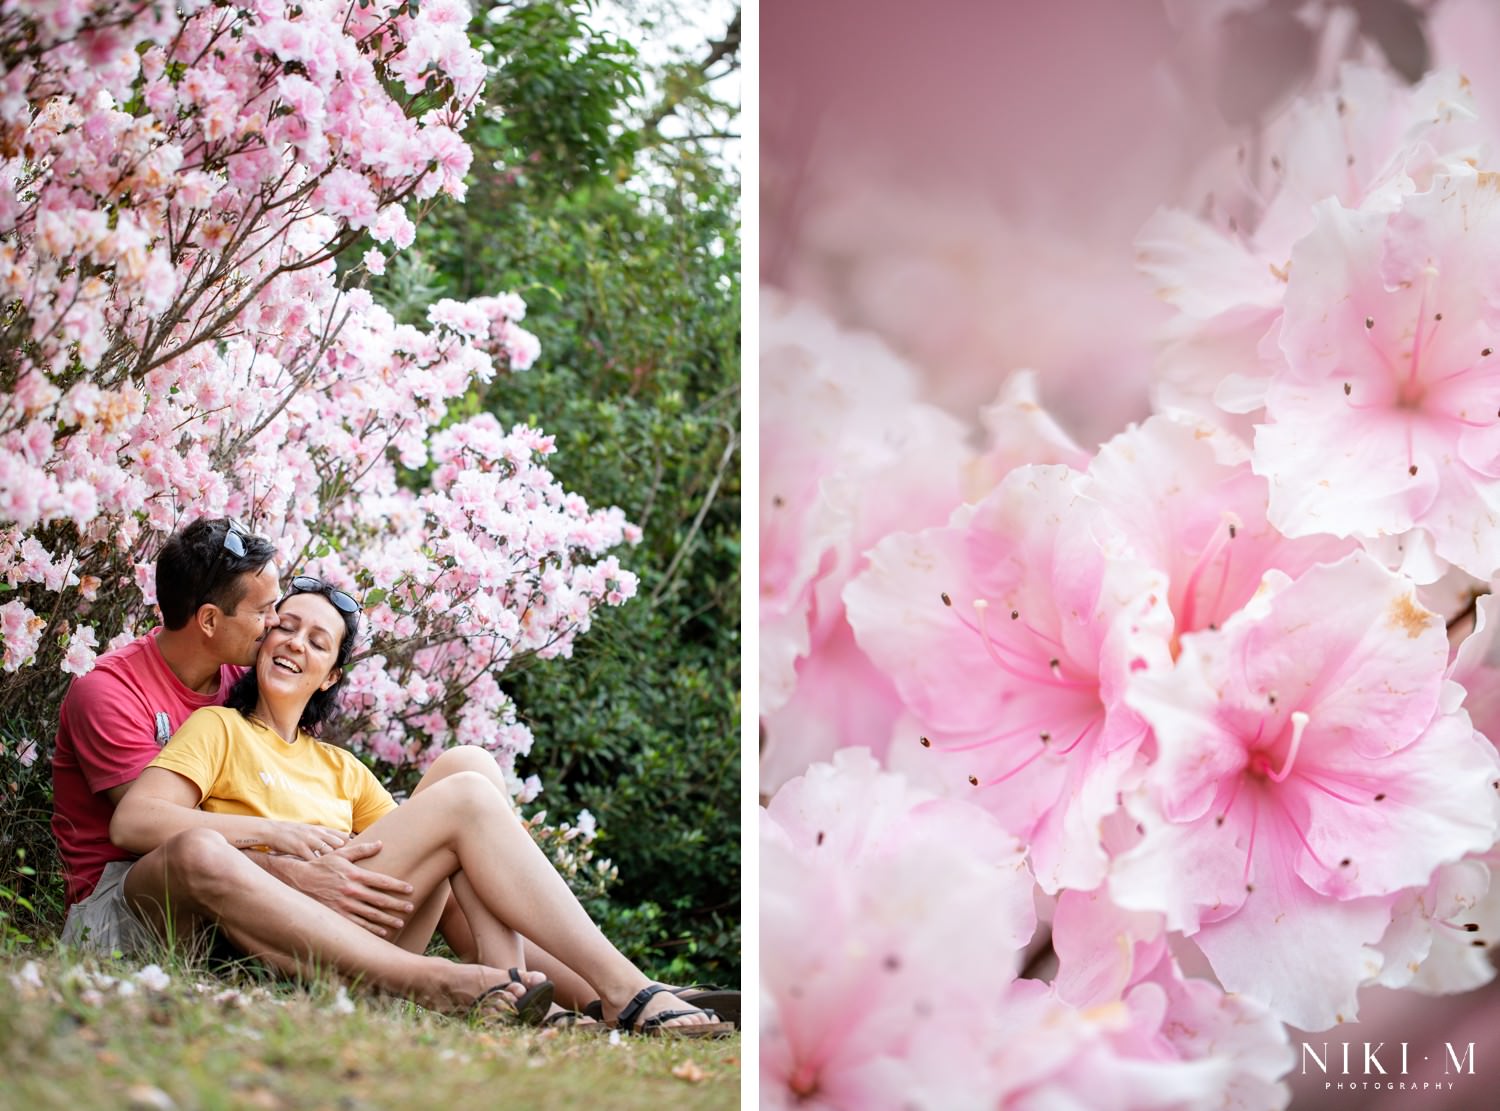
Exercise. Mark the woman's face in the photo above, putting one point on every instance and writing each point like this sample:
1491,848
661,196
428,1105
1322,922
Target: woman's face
297,656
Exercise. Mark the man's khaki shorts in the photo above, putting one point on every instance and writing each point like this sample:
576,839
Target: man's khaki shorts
104,922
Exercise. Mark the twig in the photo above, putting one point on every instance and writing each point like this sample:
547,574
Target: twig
708,500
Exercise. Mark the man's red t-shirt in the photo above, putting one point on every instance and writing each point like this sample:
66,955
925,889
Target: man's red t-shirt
113,722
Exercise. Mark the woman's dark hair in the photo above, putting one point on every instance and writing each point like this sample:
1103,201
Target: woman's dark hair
324,704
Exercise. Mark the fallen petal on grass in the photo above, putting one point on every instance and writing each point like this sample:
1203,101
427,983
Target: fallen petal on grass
143,1097
690,1072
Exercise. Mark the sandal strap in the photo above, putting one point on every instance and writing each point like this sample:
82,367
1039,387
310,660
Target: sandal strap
498,989
657,1021
632,1010
595,1009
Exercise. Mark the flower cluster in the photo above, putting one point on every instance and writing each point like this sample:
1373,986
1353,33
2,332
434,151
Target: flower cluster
1219,695
178,341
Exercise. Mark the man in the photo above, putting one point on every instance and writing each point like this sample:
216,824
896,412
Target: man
217,589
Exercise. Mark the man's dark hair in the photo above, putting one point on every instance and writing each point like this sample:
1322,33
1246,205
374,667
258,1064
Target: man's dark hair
323,705
195,568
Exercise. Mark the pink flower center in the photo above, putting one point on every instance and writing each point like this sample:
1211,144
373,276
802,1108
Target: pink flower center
803,1081
1018,655
1416,394
1260,760
1228,529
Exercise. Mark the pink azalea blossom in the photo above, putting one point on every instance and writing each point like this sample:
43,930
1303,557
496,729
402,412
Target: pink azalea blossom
848,454
1306,775
1011,633
1108,955
1179,496
1367,143
869,892
1382,424
20,632
80,657
1439,937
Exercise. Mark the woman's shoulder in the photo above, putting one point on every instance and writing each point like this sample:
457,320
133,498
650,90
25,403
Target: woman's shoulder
220,714
210,717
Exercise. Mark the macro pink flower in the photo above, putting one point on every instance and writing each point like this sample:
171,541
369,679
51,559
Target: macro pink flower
1384,422
1179,496
1440,935
1111,956
1367,143
872,973
1307,772
849,453
1010,633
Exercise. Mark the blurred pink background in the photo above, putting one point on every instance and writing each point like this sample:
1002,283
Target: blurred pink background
966,179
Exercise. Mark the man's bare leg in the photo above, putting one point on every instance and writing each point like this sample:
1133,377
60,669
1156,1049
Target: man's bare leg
197,877
458,823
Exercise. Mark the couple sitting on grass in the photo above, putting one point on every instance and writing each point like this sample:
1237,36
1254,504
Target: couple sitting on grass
290,845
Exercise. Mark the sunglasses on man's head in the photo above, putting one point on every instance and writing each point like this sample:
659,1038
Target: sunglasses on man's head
234,538
306,584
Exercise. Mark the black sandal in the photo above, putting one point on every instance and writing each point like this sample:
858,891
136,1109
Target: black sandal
724,1002
575,1020
529,1009
656,1026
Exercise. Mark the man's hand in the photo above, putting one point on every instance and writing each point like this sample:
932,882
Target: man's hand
373,900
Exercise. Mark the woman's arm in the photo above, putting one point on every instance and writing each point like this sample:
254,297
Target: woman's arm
162,803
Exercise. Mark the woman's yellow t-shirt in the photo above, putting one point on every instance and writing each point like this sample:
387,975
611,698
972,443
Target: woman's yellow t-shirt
244,767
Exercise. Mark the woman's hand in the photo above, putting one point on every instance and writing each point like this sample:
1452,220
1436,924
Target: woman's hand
294,838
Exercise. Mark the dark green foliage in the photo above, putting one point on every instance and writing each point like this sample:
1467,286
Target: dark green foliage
30,875
559,86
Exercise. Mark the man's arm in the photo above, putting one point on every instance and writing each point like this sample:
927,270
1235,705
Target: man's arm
373,900
163,803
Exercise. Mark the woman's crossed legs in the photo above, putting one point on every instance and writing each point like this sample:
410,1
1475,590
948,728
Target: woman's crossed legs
462,823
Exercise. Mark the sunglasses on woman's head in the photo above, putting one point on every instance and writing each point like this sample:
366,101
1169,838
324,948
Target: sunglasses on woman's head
306,584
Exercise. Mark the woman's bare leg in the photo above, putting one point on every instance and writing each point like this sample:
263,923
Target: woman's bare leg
458,824
449,917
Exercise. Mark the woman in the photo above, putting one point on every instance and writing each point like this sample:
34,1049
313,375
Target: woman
263,780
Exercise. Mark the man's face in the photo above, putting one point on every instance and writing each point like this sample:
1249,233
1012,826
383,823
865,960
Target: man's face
238,635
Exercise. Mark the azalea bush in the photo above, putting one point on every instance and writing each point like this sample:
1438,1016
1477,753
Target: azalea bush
179,342
1105,769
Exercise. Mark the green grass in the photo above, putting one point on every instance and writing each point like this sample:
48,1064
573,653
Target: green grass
70,1039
